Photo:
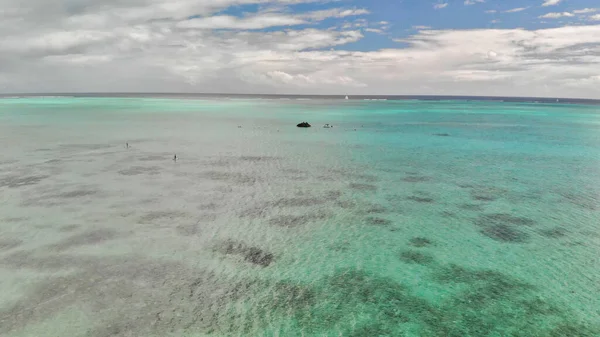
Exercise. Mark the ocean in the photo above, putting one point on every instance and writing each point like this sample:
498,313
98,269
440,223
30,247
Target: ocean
411,216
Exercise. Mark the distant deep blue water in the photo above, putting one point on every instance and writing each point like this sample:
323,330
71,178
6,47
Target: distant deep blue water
415,216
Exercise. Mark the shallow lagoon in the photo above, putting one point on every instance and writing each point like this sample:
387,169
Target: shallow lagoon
408,218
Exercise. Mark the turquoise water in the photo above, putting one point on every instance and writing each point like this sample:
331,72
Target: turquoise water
407,218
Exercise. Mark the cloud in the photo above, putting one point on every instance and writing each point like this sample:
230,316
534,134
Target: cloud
556,15
232,22
473,2
266,20
594,17
440,5
551,3
309,80
153,45
515,10
491,11
333,13
375,30
567,14
585,10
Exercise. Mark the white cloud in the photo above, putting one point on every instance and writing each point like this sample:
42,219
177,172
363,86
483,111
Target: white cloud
232,22
594,17
515,10
129,46
585,10
556,15
310,80
375,30
333,13
266,20
473,2
440,5
491,11
551,3
567,14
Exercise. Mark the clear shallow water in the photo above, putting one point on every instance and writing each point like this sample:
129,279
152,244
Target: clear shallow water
431,219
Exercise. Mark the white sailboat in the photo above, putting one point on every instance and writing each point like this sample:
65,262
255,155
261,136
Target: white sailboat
346,97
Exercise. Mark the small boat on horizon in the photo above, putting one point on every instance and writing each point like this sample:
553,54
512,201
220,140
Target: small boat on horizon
346,97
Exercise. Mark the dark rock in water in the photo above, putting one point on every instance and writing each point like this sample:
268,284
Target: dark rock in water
303,125
442,134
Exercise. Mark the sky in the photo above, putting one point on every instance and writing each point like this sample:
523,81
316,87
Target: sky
541,48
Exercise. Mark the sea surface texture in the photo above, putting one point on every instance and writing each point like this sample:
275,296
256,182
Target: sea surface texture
407,218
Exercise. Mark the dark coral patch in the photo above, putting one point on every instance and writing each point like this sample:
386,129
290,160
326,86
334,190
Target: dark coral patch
479,196
69,228
416,179
505,233
298,202
363,187
554,233
250,254
503,218
187,229
374,221
235,177
414,257
332,195
140,170
7,244
419,199
20,181
504,227
257,159
589,201
77,194
296,220
161,216
346,204
471,207
89,238
486,193
420,242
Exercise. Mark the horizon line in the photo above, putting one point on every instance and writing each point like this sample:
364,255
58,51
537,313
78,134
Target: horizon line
405,96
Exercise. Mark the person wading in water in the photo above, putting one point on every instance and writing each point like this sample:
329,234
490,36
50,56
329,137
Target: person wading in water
175,158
